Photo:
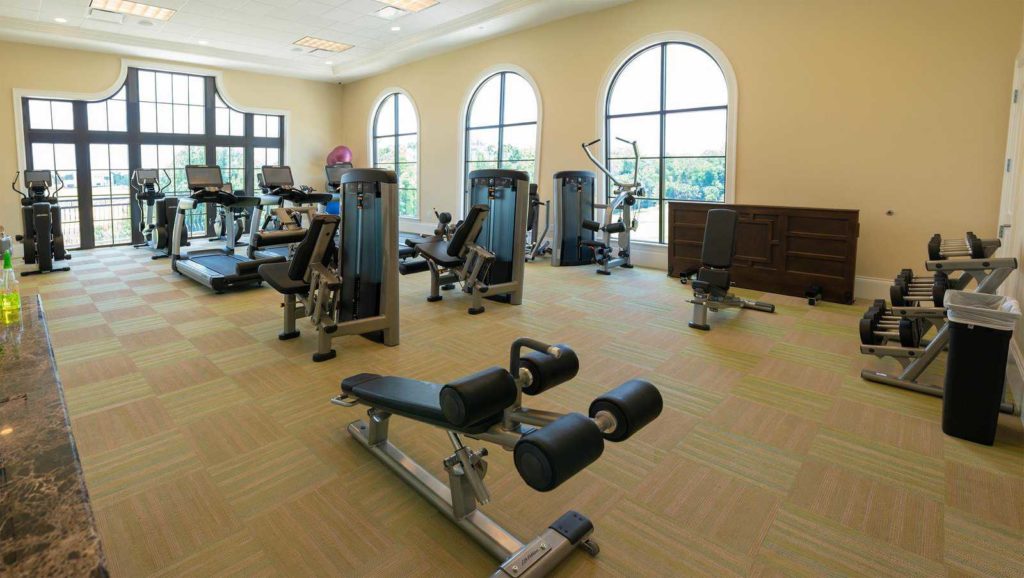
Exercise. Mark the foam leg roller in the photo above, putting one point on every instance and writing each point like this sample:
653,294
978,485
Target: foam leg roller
547,457
633,404
548,371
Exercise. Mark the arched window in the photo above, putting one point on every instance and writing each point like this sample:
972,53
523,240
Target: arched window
396,148
672,98
501,125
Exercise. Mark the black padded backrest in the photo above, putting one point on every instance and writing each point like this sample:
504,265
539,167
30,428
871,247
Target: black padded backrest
478,397
719,239
470,227
304,251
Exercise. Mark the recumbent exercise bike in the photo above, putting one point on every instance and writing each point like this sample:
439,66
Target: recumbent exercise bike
42,236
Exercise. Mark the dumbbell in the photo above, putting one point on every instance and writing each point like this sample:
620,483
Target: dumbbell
970,246
878,326
908,290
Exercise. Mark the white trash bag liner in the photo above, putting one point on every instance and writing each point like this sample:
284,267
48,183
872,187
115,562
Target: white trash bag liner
981,309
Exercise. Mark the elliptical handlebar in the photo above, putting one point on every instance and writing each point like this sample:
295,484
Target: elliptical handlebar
60,182
14,186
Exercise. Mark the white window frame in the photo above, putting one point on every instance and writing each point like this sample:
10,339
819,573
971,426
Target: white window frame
377,102
732,105
464,116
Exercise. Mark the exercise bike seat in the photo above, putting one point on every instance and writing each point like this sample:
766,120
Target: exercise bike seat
469,405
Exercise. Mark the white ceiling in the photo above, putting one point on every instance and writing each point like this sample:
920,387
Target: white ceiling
257,35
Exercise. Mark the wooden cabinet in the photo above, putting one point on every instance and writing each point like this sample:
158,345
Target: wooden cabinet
778,249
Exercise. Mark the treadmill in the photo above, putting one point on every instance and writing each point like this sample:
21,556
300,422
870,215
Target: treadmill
219,269
279,188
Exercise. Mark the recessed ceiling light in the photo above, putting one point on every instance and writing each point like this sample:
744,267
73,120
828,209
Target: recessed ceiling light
329,63
389,13
321,44
133,9
410,5
204,42
396,28
61,20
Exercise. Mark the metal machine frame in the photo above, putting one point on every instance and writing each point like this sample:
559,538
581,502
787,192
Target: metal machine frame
625,197
323,305
990,274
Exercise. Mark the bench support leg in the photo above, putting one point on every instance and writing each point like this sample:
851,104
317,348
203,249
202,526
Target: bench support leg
289,331
518,560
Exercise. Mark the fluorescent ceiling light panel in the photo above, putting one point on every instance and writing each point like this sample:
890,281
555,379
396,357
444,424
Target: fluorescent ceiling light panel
133,9
321,44
389,13
410,5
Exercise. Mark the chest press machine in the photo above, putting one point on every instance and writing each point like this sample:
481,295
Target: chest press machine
711,287
548,448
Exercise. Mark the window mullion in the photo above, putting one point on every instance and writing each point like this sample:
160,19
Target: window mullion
661,151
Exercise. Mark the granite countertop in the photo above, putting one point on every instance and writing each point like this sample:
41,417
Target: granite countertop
46,523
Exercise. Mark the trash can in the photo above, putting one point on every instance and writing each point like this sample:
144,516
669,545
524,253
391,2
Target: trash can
980,328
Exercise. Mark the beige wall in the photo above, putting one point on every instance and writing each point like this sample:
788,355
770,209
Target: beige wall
865,104
314,122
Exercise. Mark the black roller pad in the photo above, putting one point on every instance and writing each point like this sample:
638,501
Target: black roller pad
478,397
547,457
634,404
548,371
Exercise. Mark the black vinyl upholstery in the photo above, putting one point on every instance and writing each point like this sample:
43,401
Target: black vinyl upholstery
411,398
276,275
288,277
719,239
438,252
461,236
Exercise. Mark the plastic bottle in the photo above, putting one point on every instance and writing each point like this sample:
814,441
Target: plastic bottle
10,291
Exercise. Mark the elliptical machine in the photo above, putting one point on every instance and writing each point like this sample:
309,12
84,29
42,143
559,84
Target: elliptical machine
43,238
625,197
156,226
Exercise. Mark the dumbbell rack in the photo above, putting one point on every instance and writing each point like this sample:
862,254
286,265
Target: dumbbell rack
989,273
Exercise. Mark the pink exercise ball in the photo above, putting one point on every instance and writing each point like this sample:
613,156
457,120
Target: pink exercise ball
340,154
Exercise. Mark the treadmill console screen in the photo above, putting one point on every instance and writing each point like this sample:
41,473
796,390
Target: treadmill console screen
37,177
201,177
147,175
334,173
275,177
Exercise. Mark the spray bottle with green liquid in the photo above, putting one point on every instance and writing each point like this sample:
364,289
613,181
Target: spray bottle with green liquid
10,291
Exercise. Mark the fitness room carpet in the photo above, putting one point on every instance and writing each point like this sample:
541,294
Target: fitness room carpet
210,448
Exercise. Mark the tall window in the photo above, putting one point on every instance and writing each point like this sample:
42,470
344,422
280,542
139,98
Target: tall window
501,125
672,99
396,148
160,120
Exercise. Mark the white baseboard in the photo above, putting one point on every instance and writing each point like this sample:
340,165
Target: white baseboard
871,288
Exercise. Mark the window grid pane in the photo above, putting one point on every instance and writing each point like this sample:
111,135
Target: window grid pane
168,103
171,103
502,125
672,99
60,158
396,148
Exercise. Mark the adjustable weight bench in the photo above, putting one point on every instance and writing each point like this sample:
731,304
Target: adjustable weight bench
711,288
548,448
457,260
